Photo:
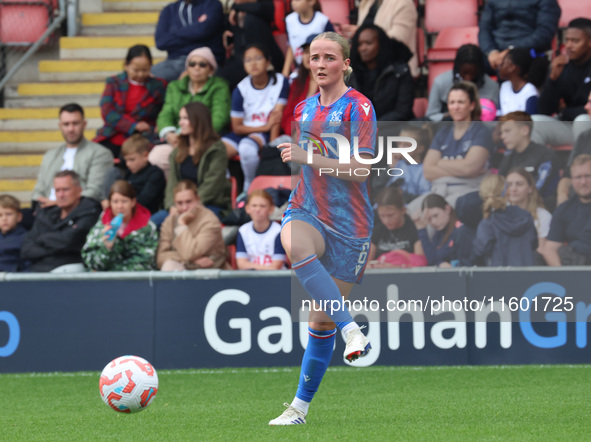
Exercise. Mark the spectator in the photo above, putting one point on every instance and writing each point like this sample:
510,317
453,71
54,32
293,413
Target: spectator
306,19
186,25
257,108
516,93
191,237
541,162
393,230
134,244
201,158
569,239
507,235
522,192
303,86
398,18
468,66
250,23
409,177
381,74
11,235
89,160
451,244
567,86
131,101
530,24
199,85
458,158
147,180
582,145
258,246
59,231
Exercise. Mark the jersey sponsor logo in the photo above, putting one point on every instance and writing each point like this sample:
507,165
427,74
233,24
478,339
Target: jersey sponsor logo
365,107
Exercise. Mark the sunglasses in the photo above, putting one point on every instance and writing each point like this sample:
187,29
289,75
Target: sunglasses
201,64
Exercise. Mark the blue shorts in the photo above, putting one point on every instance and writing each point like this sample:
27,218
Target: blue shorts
344,258
234,139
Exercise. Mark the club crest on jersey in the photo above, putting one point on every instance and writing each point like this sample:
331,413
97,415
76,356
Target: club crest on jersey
336,118
366,107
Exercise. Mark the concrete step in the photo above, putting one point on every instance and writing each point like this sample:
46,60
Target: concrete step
78,70
43,124
120,18
33,147
23,197
13,100
38,136
10,185
47,113
61,88
18,173
113,47
134,5
15,161
106,31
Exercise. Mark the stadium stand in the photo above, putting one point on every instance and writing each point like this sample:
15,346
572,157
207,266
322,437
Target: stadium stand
339,11
440,14
266,181
571,9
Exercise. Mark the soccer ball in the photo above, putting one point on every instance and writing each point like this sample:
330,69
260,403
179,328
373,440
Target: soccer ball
128,384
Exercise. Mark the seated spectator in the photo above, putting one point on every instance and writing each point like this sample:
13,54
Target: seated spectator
521,192
468,66
89,160
381,74
582,145
458,158
398,18
567,87
201,158
250,24
257,108
191,237
409,177
451,244
507,235
54,242
186,25
131,101
517,93
303,86
569,241
393,229
258,246
147,180
530,24
540,161
305,20
133,246
199,85
11,235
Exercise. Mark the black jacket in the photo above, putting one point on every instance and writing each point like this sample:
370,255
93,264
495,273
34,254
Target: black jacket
53,242
10,247
392,93
520,23
149,184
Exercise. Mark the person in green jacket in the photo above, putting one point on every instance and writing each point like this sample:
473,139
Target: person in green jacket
132,246
199,85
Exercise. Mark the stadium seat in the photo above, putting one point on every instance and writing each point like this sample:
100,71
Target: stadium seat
231,256
233,191
338,11
437,68
23,22
282,42
281,10
572,9
421,46
441,14
266,181
449,40
419,107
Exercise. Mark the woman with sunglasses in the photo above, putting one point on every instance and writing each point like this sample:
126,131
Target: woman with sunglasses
198,85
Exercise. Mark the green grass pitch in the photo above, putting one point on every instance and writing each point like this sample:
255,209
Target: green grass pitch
374,403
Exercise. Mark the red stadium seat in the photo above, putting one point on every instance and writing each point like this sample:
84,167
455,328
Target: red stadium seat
449,40
421,46
437,68
572,9
419,107
281,10
231,256
233,191
266,181
441,14
23,24
338,11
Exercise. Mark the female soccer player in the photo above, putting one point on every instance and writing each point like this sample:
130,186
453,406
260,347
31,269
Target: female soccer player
329,215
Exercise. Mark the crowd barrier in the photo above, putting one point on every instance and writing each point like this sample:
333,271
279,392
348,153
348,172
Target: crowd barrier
211,319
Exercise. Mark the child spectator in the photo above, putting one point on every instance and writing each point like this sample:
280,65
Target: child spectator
517,93
11,234
451,244
257,108
305,20
191,238
393,229
258,246
522,192
507,235
147,180
134,245
131,101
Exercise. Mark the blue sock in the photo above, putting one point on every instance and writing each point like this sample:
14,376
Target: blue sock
315,362
321,287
